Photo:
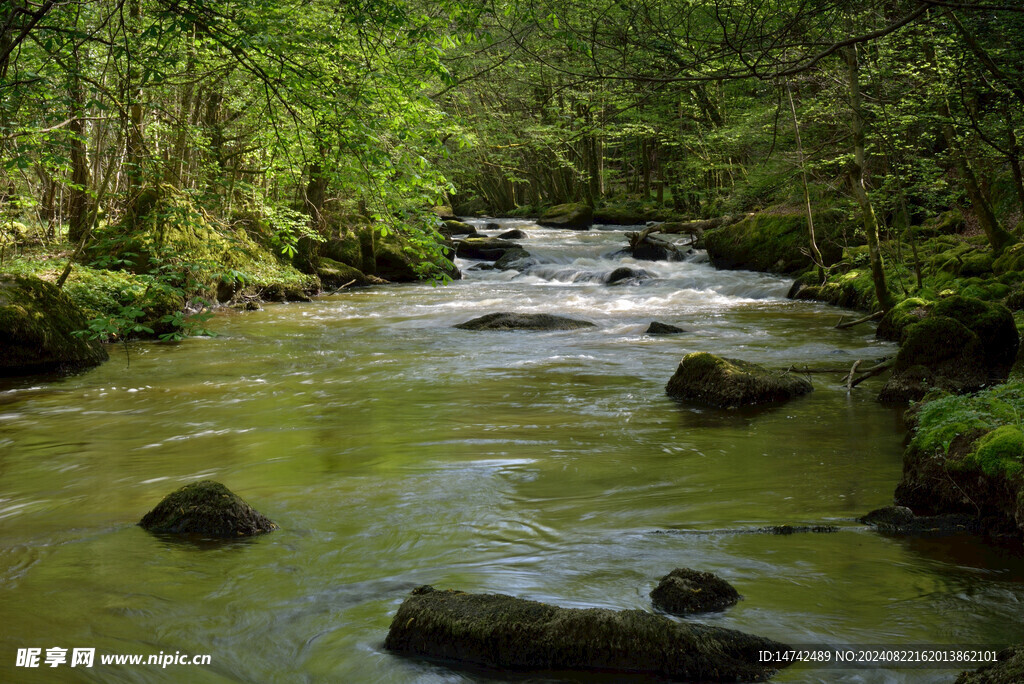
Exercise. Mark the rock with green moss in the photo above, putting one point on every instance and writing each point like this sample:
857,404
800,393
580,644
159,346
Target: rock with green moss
397,259
1011,259
508,633
897,319
334,274
629,214
947,223
684,592
966,457
1008,669
37,329
577,216
729,383
992,323
937,353
775,241
206,508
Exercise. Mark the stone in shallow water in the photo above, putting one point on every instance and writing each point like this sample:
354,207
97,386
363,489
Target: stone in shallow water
523,321
206,508
498,631
656,328
684,591
729,383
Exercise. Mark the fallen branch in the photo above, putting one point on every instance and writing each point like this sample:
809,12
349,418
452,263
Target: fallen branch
351,282
869,373
842,326
853,371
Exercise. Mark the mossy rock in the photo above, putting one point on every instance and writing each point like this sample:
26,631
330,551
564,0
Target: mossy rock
628,214
577,216
37,329
508,633
334,274
398,259
991,322
947,223
965,458
901,316
773,241
206,508
729,383
938,352
1008,669
345,249
523,321
1011,259
977,265
684,592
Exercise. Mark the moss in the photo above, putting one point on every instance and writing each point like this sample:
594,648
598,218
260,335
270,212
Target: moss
999,452
206,508
941,420
1012,259
993,323
729,383
37,329
1009,669
774,240
901,316
575,215
509,633
946,223
684,591
977,264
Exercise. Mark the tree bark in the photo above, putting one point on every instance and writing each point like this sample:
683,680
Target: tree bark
856,176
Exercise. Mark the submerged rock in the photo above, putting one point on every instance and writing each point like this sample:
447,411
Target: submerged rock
1009,669
656,328
514,259
728,383
577,216
508,633
901,520
784,530
626,275
523,321
684,591
37,329
206,508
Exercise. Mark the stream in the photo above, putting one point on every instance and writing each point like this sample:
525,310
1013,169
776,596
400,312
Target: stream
395,451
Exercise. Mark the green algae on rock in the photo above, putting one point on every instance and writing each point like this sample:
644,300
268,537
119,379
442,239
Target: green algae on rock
729,383
684,591
494,630
577,216
206,508
38,326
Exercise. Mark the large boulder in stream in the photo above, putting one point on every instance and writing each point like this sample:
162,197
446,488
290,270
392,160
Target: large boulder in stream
729,383
508,633
37,329
653,249
484,249
577,216
206,508
453,227
774,240
684,591
658,328
515,259
624,275
523,321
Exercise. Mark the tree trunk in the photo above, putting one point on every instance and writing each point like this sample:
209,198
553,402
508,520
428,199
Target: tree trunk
856,176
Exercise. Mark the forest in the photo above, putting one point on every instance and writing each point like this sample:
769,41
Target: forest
751,170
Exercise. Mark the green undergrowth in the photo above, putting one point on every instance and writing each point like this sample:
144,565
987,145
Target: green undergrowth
996,414
948,265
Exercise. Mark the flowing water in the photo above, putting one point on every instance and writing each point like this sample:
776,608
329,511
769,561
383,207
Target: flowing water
396,451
